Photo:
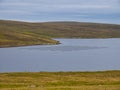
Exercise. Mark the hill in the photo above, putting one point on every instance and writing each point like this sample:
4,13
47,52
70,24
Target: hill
15,33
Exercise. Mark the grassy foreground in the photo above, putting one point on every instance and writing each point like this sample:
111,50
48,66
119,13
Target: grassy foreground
15,33
102,80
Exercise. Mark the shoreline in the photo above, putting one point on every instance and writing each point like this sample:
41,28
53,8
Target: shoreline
57,42
96,71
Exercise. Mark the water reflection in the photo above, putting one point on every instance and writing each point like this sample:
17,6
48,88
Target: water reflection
63,48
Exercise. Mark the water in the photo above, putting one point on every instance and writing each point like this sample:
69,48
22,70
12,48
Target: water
71,55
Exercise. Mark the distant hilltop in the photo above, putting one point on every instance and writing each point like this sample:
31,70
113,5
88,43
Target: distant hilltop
16,33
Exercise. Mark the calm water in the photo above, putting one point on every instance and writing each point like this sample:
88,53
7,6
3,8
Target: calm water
71,55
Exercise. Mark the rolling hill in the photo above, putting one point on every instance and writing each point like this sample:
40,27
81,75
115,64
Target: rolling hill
16,33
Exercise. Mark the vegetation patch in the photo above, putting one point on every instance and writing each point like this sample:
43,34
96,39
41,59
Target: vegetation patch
103,80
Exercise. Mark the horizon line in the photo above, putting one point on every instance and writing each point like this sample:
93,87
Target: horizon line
50,21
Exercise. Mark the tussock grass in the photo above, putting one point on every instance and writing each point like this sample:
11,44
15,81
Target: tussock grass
106,80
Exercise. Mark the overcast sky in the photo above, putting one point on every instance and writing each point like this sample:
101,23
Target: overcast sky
103,11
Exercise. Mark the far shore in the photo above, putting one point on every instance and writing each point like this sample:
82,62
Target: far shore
11,46
16,33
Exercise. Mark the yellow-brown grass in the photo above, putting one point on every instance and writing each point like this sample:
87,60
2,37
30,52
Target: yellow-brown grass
106,80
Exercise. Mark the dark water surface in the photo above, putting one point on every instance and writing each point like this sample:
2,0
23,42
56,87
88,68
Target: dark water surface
71,55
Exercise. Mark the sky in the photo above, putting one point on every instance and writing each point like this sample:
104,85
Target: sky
100,11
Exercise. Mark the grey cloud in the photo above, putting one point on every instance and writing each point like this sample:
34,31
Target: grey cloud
119,3
58,9
1,0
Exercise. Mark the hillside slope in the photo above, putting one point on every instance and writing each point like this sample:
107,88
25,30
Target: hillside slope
21,34
15,33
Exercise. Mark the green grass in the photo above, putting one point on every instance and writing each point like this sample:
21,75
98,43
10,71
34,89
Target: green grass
15,33
104,80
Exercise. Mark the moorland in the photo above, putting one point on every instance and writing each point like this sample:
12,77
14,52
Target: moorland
16,33
99,80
